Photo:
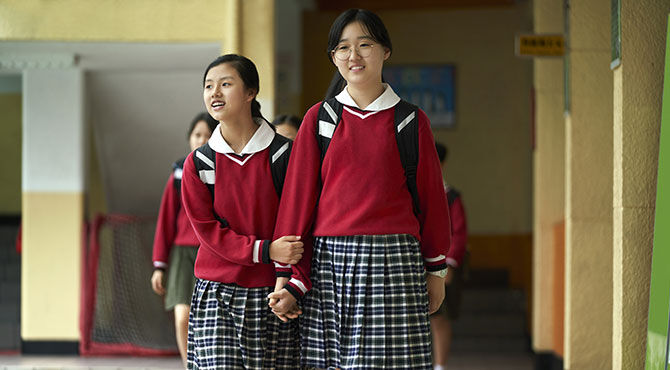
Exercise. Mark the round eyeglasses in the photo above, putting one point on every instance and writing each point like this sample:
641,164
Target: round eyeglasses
343,52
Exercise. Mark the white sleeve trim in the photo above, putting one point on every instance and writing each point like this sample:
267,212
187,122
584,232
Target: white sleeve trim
257,245
452,262
160,264
435,259
279,265
299,284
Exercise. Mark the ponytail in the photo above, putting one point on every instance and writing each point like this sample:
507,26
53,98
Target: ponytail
256,109
337,84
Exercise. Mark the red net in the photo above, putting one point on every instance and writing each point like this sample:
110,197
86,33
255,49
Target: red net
120,313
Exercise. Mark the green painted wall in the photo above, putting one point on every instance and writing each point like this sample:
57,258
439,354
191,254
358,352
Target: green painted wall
659,295
10,145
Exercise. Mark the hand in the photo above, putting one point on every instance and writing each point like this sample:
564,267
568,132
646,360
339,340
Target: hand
287,249
283,303
279,285
157,282
435,286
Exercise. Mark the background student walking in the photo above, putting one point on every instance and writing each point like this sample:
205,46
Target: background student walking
364,180
449,311
175,243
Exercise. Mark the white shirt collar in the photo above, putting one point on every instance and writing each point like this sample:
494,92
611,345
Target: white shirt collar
261,139
386,100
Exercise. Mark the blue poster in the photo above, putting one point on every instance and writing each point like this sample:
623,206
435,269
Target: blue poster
431,87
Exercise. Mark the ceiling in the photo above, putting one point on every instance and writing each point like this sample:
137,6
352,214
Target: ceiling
379,5
114,55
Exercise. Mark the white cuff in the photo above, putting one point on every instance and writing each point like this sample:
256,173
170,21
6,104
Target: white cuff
257,245
299,284
435,259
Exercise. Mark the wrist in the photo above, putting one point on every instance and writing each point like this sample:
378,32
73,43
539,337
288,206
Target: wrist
439,273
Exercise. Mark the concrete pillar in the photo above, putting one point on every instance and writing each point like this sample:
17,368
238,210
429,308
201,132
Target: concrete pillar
588,237
53,201
548,174
250,31
638,87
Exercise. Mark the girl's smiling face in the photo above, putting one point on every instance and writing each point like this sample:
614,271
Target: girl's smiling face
225,94
356,69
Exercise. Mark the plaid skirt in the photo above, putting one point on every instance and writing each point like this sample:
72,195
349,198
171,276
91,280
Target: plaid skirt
368,307
231,327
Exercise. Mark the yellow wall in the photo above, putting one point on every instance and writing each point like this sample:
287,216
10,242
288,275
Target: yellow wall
588,237
490,155
108,20
49,304
548,177
10,150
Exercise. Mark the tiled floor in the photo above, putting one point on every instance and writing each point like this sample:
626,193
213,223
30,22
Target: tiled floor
473,361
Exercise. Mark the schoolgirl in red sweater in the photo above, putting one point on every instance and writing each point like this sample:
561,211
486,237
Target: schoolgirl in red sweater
173,229
232,204
376,269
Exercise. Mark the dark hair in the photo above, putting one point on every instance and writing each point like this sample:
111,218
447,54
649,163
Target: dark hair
247,71
202,116
442,151
289,119
370,23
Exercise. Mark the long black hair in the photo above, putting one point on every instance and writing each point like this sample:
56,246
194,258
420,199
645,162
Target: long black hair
247,71
202,116
370,23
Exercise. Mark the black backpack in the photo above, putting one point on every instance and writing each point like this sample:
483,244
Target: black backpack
204,159
452,195
177,169
406,123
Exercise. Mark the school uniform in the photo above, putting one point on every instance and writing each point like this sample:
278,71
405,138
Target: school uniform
365,305
451,305
230,324
175,244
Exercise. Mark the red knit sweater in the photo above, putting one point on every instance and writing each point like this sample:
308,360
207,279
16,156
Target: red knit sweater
173,227
364,189
246,198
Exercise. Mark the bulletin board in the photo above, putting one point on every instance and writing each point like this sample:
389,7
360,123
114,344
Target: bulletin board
431,87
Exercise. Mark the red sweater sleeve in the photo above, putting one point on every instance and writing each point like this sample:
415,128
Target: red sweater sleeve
459,233
434,216
211,233
166,227
300,194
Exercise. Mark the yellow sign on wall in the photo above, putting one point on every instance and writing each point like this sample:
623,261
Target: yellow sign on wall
540,45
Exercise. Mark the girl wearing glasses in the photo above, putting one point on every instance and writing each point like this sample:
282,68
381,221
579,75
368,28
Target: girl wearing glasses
365,290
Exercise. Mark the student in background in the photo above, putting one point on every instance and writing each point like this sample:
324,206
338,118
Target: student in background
441,320
175,243
287,125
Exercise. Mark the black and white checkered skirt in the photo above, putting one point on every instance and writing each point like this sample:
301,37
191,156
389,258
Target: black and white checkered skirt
231,327
368,307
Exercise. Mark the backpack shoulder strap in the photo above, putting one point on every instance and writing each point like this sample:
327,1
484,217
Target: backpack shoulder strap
280,150
177,169
204,159
452,195
327,120
406,130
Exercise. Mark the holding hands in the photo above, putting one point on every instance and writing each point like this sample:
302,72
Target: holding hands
283,303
